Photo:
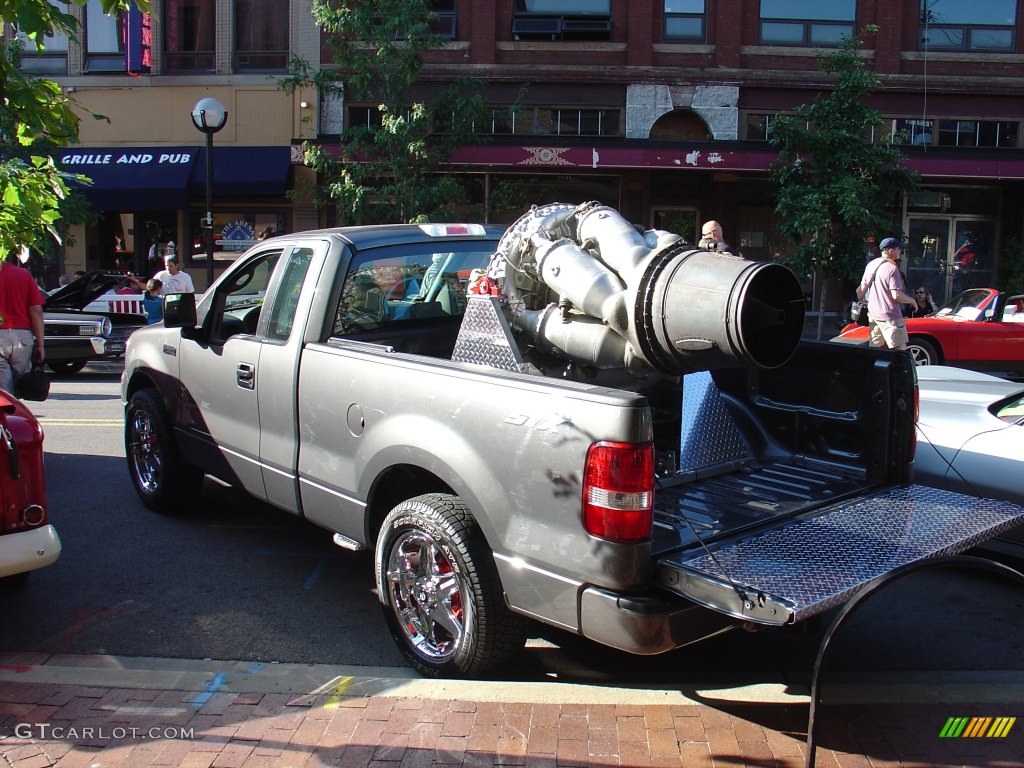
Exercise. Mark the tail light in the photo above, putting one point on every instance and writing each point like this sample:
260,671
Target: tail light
618,491
23,495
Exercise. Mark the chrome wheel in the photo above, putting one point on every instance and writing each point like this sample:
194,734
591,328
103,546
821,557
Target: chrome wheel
426,595
923,352
163,481
440,591
144,452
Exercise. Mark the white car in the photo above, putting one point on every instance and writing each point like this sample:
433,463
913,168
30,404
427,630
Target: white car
970,438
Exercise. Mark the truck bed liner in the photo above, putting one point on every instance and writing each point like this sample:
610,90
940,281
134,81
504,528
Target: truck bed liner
793,567
730,502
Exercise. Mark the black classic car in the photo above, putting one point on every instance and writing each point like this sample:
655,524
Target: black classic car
77,333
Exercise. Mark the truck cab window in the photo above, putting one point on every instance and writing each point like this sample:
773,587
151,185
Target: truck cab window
403,286
238,303
282,314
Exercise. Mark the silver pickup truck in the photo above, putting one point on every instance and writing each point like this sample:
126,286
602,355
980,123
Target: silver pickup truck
570,421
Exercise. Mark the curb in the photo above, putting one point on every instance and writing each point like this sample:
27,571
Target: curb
209,676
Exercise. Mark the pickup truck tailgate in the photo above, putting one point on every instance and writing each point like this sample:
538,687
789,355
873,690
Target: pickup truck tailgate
796,567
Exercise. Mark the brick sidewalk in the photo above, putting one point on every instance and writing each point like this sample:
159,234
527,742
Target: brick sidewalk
43,724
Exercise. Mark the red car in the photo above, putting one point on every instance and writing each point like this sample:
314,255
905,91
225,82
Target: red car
980,328
27,539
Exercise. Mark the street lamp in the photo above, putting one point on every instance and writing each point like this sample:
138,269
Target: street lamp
209,116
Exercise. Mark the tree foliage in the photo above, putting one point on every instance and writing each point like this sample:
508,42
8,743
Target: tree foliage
836,189
35,117
1011,266
391,170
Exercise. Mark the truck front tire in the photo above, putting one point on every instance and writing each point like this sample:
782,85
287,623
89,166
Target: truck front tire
164,482
440,590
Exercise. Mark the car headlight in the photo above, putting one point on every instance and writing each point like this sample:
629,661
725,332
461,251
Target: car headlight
106,327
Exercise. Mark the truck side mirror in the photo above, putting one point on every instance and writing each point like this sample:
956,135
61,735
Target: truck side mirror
180,310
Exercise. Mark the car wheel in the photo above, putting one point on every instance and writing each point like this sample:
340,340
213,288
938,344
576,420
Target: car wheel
440,590
923,351
164,482
66,367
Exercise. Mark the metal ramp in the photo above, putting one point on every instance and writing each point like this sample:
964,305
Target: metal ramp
806,565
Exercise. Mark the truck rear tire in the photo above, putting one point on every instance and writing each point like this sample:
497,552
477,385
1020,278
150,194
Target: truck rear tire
164,482
440,590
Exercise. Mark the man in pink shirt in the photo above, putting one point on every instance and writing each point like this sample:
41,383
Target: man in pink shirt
882,283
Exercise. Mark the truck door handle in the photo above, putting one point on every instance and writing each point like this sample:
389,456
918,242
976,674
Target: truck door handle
245,375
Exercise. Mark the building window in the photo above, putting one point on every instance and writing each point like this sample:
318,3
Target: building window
364,117
684,21
758,126
52,60
995,134
444,25
256,224
587,122
261,35
503,122
104,40
912,132
561,19
571,122
953,25
189,35
822,23
977,133
532,121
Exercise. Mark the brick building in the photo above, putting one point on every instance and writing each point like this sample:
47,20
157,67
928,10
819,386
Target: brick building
658,107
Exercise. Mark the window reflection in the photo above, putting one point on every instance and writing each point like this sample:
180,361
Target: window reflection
189,34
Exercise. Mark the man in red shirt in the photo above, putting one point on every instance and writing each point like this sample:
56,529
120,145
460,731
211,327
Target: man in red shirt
21,323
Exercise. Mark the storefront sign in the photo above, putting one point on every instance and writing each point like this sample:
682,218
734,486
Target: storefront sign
132,178
126,158
139,41
237,235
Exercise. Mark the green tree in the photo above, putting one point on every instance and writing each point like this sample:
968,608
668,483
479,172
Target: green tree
393,169
35,116
835,188
1011,266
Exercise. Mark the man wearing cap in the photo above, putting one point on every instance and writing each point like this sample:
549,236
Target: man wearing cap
171,277
882,283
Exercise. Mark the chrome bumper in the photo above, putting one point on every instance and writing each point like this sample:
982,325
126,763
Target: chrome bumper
28,550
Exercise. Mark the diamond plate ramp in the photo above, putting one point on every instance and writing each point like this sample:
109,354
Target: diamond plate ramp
803,566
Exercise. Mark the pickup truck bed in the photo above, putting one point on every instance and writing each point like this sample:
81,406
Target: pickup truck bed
774,541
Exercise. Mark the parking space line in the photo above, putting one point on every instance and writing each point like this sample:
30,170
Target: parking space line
211,688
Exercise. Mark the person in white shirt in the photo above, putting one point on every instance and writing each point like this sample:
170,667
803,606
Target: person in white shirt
174,280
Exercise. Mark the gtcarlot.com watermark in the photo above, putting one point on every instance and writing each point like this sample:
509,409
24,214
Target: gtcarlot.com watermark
57,732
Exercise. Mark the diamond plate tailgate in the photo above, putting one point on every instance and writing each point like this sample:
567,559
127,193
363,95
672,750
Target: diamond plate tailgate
805,565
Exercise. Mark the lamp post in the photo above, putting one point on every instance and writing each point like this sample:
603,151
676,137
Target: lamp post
209,116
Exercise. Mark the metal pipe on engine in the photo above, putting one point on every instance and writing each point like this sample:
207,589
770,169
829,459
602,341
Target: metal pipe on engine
577,276
579,338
